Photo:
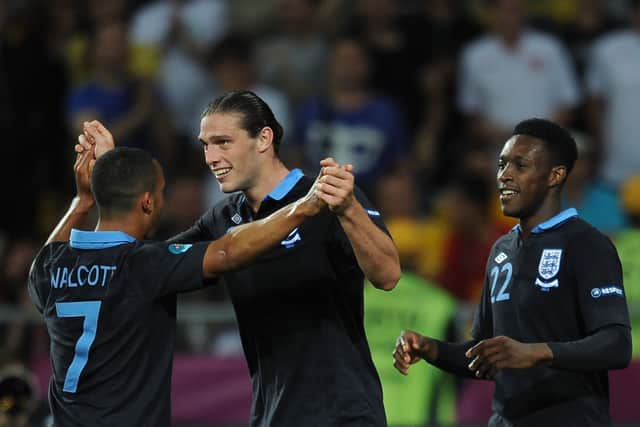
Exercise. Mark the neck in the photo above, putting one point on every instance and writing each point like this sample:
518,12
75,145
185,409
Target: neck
127,224
550,208
271,174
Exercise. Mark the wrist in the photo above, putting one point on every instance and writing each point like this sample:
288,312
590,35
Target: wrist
542,353
82,203
429,349
348,209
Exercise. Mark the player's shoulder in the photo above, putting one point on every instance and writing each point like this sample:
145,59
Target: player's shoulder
579,232
479,47
49,253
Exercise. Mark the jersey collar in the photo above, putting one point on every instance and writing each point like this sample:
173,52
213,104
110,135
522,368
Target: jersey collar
552,222
283,188
98,239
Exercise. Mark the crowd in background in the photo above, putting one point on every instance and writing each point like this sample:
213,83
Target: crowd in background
419,95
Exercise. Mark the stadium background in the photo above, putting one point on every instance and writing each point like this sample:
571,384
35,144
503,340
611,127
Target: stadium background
339,74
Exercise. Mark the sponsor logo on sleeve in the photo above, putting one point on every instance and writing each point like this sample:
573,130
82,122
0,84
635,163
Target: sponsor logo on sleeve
548,269
373,212
607,291
237,219
292,239
179,248
500,258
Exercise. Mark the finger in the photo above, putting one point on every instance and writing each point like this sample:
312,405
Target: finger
402,368
100,127
336,181
337,171
329,199
348,168
84,142
329,161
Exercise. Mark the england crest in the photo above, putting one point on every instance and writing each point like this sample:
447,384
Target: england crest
549,263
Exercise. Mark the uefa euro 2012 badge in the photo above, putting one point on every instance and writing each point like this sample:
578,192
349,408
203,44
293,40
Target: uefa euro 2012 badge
179,248
548,268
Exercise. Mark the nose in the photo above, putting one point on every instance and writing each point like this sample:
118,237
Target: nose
504,175
211,155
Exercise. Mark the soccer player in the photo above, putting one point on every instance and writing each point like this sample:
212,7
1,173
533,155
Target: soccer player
300,306
553,318
108,297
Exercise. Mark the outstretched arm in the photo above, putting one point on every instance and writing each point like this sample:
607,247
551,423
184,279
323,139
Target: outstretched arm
243,243
76,215
375,252
412,347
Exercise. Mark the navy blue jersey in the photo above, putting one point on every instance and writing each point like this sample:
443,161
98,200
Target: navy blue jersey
109,304
561,284
300,313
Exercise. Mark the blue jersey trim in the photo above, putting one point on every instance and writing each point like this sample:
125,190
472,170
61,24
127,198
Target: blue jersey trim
283,188
98,239
552,222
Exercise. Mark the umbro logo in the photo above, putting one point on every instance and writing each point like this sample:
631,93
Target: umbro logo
501,257
237,219
291,239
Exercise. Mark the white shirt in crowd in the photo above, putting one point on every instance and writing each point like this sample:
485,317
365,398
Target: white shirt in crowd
505,86
614,76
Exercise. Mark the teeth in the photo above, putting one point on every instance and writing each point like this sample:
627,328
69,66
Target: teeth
221,172
508,192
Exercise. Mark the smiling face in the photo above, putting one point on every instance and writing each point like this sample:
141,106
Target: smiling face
229,151
523,176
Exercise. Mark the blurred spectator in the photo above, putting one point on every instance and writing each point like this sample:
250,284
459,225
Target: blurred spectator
596,202
628,244
471,236
32,125
293,60
182,32
378,26
126,104
512,74
592,19
613,82
232,66
21,339
351,123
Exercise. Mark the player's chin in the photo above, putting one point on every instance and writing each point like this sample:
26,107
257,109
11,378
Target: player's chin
510,210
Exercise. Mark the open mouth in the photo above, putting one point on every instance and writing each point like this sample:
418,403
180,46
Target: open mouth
508,194
222,172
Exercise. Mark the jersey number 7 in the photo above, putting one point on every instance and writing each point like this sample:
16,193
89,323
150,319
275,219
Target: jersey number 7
90,310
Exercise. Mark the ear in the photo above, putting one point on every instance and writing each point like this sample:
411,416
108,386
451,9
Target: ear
146,202
265,139
557,176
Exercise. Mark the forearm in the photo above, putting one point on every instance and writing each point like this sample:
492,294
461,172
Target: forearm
607,348
243,243
451,357
375,252
75,217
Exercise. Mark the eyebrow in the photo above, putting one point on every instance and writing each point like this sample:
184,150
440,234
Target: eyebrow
214,138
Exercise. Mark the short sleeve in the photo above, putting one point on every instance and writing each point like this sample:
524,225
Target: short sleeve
596,267
33,282
482,326
161,268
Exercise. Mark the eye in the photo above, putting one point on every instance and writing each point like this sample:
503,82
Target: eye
500,165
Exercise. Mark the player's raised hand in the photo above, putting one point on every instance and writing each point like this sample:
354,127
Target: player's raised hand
493,354
82,170
410,348
311,203
336,185
95,133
